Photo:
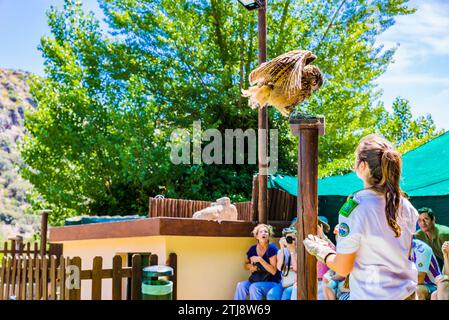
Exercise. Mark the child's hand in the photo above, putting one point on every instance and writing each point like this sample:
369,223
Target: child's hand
320,232
282,242
445,247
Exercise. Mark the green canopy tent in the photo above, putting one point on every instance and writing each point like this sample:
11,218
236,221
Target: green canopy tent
425,179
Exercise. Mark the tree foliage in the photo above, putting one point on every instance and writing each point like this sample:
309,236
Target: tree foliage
98,142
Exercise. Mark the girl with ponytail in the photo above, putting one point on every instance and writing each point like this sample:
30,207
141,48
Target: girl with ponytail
376,226
384,175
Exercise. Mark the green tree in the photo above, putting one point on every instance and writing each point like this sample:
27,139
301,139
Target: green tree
407,132
399,127
92,144
110,100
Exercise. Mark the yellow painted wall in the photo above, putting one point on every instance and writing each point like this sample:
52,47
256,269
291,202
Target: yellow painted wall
108,248
208,267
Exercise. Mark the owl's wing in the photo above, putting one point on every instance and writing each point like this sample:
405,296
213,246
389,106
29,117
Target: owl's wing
268,71
280,69
291,81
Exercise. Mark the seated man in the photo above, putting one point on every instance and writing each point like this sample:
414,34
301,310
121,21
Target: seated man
442,292
428,269
434,235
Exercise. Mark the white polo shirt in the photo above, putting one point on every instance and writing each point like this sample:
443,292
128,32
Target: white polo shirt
382,268
425,261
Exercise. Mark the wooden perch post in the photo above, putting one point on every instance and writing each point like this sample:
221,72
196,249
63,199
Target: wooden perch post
308,129
262,122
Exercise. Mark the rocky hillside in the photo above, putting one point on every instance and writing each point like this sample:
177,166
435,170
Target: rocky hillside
14,209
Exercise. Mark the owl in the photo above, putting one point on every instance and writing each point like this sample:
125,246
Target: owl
284,82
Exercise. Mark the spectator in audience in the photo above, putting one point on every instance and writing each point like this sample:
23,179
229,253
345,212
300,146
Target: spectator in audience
332,285
286,264
344,292
323,229
442,281
431,233
261,261
428,269
332,282
294,295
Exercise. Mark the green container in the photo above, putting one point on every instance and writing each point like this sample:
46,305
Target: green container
157,290
154,288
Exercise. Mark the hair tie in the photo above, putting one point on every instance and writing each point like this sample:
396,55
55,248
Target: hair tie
389,154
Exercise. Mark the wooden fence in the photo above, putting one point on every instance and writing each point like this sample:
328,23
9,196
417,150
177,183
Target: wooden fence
13,247
179,208
244,210
166,207
49,278
281,207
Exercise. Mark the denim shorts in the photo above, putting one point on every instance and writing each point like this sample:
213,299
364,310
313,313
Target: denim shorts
430,287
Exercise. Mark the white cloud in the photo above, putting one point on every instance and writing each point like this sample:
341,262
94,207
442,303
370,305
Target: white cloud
429,22
418,79
421,34
420,71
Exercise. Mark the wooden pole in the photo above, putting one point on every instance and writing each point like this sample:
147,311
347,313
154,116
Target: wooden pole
262,136
44,224
254,199
307,129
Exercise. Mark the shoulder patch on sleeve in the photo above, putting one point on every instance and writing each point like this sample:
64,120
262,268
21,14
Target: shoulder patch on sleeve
343,230
348,207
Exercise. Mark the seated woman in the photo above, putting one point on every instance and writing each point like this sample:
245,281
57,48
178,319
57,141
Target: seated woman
261,260
286,264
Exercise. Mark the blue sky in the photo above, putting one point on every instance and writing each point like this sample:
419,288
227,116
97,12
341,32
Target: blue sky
22,24
420,72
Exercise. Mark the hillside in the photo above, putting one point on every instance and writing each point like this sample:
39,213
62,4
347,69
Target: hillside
14,209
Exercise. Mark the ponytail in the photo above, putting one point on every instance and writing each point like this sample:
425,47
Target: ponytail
391,164
385,167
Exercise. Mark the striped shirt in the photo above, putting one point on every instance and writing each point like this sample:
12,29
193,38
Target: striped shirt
425,261
344,296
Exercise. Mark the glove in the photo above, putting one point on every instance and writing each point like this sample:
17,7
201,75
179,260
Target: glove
317,247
